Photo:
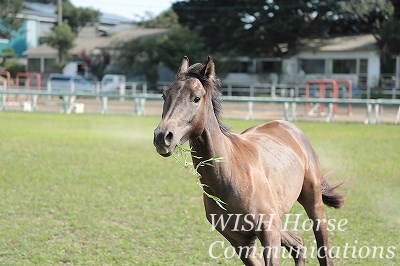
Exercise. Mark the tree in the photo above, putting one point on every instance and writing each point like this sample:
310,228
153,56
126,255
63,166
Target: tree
44,1
379,17
63,35
62,39
9,22
142,56
97,61
78,17
166,19
254,27
6,54
274,27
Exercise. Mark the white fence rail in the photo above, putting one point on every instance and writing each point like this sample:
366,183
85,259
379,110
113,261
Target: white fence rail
372,106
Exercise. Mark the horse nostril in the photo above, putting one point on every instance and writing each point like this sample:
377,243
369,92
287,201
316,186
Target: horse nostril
168,138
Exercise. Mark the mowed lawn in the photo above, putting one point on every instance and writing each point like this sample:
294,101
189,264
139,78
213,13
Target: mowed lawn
91,190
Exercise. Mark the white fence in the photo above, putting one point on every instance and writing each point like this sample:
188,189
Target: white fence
372,106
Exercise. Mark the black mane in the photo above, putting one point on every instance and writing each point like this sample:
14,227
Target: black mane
214,87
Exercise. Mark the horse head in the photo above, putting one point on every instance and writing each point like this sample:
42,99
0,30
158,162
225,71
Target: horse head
186,105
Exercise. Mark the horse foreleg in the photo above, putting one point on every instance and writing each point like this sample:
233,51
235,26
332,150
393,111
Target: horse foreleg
294,246
246,249
270,238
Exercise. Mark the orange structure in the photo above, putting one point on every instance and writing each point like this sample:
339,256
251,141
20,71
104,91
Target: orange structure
322,91
7,76
29,79
28,76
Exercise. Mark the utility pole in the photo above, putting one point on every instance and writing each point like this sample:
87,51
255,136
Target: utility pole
59,11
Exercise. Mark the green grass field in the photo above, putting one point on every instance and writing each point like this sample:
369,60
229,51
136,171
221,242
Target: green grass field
91,190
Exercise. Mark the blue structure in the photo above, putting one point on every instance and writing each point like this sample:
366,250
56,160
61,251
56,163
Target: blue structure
39,19
18,43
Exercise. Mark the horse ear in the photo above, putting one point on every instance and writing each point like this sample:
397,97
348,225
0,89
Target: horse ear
209,69
184,66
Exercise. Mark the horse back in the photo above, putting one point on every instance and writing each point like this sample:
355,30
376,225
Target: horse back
285,134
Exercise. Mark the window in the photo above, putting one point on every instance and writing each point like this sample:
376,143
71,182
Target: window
241,67
34,65
49,64
312,66
363,66
344,66
269,67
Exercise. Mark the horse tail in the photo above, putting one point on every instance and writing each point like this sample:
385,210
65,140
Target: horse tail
330,197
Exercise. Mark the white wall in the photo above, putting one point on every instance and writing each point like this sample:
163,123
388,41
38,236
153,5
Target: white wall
371,56
374,70
32,33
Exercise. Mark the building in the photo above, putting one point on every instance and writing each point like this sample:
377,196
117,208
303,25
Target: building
350,57
39,19
42,58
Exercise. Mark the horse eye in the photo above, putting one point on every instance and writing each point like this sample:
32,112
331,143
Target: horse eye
196,99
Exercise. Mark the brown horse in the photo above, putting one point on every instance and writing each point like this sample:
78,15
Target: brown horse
266,169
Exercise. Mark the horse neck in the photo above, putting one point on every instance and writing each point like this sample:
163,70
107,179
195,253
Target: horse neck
211,143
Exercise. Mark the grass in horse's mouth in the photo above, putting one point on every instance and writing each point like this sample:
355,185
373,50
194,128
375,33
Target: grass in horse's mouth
183,155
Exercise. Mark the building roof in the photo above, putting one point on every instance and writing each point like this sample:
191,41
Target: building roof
107,18
50,11
87,44
40,9
365,42
42,50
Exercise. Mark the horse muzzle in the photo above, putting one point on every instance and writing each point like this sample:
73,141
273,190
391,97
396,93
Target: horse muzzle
164,142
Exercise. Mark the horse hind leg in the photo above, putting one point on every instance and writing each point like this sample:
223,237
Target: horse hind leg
312,198
294,245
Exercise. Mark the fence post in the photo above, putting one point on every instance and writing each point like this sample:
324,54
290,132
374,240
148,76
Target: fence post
291,93
329,117
139,106
98,91
294,115
122,91
368,114
34,102
283,92
3,102
273,91
286,111
249,115
251,90
134,88
65,104
229,89
104,106
376,107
